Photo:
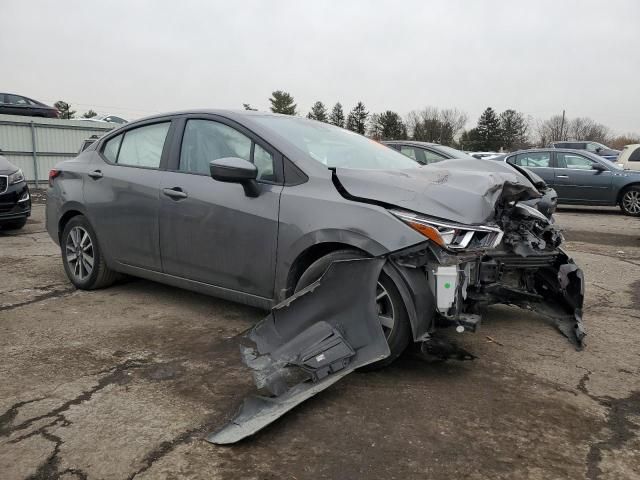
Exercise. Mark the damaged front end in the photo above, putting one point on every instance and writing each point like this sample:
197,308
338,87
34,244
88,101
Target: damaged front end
331,328
524,266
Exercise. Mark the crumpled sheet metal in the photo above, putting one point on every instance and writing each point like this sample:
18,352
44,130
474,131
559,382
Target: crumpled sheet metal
571,279
309,342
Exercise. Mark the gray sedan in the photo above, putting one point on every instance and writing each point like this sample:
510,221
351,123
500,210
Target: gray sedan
582,178
255,207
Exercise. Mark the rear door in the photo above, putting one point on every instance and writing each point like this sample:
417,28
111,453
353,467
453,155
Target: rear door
210,231
578,182
122,193
538,162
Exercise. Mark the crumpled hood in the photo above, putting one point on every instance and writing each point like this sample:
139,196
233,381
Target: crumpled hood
463,191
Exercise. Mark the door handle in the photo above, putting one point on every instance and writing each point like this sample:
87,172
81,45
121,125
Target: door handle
175,192
562,176
96,174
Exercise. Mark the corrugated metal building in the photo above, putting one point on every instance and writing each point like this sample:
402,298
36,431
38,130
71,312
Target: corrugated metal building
36,144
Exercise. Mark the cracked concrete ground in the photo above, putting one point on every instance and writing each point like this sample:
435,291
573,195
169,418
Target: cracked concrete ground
125,382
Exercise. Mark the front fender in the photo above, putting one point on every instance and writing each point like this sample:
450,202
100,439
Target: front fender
318,237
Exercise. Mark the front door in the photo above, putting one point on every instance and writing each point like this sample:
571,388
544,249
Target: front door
211,231
577,182
121,195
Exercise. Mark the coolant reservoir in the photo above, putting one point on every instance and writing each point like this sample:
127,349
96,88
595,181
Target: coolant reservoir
444,283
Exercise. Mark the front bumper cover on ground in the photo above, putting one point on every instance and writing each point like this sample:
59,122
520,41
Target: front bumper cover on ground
309,342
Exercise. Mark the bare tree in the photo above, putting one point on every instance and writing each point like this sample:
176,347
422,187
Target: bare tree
620,141
553,129
432,124
579,128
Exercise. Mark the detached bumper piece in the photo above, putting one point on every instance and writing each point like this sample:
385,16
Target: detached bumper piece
309,342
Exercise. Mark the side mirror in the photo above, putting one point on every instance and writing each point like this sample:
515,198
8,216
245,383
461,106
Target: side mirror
598,149
236,170
598,167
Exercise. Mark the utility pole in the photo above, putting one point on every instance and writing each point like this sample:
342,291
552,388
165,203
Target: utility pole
562,127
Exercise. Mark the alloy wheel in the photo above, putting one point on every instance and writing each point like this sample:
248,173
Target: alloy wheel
631,202
386,314
79,253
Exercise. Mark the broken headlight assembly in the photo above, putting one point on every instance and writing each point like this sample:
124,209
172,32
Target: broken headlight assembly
450,235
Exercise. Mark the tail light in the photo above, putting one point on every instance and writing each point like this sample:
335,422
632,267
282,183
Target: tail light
53,173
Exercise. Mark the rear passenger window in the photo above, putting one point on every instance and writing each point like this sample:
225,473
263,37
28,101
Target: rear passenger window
408,152
142,147
533,159
432,157
111,148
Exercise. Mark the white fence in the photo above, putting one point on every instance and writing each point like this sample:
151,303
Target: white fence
35,145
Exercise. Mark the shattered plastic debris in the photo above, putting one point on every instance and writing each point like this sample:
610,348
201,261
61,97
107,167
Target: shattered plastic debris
308,343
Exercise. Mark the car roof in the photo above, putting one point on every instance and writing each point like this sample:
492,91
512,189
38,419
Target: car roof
591,155
414,143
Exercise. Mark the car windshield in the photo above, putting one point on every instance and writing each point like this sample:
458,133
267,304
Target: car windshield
335,147
454,153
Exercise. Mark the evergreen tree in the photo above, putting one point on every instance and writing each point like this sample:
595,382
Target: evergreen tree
89,114
489,130
337,115
65,110
514,129
282,102
247,106
318,112
470,140
357,119
388,126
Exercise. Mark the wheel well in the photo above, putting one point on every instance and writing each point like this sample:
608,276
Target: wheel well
65,219
310,255
623,190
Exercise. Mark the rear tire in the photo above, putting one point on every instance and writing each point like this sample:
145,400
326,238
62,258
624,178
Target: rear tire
82,258
630,202
14,224
390,302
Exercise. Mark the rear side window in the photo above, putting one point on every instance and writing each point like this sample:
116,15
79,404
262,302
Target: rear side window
635,155
111,148
140,147
533,159
16,100
432,157
409,152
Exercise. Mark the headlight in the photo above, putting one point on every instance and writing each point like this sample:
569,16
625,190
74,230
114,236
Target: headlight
16,177
452,236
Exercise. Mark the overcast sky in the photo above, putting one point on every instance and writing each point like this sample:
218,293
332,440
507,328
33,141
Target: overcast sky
136,58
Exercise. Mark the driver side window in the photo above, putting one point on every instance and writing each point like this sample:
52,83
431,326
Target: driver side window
573,161
207,140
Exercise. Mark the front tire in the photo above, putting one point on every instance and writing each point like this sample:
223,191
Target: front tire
630,202
391,310
82,258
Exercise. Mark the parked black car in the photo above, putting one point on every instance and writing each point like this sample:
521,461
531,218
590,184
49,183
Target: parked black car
15,201
582,178
425,152
11,104
593,147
